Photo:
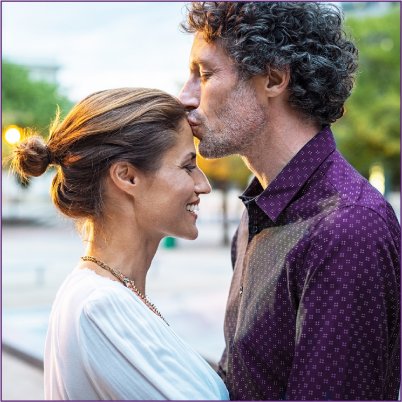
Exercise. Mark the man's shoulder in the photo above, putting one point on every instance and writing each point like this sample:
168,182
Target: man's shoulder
347,205
357,219
357,229
353,191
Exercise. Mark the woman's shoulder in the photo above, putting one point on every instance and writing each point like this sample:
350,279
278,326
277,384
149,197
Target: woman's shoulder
83,283
89,303
106,294
101,292
102,300
84,292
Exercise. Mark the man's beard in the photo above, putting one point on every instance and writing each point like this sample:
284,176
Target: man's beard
241,120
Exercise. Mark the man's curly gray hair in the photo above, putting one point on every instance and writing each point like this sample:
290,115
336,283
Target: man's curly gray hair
306,38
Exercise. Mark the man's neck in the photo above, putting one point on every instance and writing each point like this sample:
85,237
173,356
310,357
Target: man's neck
271,152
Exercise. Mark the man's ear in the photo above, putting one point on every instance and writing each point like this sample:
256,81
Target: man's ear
276,82
124,176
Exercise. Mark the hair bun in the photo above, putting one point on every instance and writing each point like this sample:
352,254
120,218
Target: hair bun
31,157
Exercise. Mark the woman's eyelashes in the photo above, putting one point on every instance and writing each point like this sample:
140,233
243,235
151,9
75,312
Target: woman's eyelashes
189,168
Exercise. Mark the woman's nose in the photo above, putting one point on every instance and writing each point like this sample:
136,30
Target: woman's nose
202,185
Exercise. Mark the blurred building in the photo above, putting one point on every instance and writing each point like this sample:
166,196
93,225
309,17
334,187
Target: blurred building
43,72
40,69
366,8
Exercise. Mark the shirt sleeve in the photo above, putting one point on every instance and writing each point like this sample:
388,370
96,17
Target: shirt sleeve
347,332
128,355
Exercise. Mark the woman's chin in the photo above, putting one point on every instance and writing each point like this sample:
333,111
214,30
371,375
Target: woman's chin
190,235
194,236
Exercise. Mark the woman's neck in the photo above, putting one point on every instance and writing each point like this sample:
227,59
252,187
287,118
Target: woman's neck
123,248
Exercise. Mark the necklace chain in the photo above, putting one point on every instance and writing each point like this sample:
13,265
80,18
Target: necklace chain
127,282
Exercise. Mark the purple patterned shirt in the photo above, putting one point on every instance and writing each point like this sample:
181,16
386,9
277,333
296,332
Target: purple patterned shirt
314,305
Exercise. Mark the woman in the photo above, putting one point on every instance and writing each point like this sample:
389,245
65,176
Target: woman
127,173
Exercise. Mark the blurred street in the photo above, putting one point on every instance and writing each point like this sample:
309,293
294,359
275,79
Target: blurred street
20,380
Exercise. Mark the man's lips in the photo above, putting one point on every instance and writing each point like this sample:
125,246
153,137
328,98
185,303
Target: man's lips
195,124
195,130
192,120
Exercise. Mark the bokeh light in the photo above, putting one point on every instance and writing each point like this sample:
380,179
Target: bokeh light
377,178
13,134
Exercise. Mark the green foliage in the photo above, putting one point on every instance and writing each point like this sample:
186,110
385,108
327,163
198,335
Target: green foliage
370,130
29,103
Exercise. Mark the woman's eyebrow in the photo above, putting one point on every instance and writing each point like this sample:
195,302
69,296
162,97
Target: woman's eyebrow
190,156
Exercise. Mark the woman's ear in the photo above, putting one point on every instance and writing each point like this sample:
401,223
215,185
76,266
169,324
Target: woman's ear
124,176
276,82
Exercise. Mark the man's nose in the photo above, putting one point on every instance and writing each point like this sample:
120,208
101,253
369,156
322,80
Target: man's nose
189,95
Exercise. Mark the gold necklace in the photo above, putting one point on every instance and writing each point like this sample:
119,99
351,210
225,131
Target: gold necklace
127,282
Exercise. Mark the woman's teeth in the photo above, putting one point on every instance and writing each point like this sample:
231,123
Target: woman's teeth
192,207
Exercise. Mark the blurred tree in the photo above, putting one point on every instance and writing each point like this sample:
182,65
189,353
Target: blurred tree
225,173
28,103
370,130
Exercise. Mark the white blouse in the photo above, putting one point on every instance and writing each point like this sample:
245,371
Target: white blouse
104,343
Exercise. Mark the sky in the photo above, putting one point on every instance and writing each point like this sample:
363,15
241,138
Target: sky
100,45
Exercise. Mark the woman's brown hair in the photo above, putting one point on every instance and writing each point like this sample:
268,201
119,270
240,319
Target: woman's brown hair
134,125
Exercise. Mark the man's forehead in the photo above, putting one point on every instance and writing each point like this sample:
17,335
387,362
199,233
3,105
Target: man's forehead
200,48
203,52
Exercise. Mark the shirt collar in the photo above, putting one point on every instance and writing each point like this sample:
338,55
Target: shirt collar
274,199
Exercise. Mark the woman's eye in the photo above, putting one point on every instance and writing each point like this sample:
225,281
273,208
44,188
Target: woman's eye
190,168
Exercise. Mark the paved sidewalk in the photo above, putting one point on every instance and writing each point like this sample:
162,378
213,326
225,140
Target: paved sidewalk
20,380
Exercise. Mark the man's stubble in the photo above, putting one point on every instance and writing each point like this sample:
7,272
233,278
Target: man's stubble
241,119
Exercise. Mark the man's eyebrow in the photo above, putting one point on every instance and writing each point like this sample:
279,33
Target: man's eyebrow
194,63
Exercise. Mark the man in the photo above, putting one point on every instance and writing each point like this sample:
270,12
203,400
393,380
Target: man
313,310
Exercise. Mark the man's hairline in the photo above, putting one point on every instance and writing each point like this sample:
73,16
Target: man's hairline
220,42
